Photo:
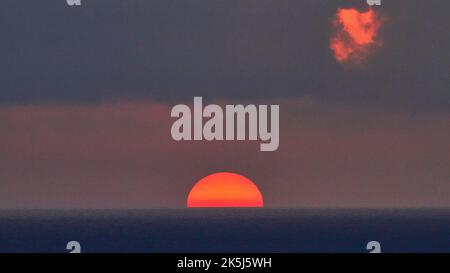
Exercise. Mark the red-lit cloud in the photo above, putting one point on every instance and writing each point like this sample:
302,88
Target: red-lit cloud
356,33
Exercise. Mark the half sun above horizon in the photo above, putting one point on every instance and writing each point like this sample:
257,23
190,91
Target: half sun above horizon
224,190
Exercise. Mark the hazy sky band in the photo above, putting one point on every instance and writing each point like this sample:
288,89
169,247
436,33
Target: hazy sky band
122,156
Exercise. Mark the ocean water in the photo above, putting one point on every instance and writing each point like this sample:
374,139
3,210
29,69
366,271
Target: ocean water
225,230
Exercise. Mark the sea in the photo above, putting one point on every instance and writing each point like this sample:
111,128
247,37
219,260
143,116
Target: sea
226,231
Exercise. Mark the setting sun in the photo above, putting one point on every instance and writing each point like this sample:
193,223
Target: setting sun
225,190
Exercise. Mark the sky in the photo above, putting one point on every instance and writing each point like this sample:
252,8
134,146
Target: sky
86,94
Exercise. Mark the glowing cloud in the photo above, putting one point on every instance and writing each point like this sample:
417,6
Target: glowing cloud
356,33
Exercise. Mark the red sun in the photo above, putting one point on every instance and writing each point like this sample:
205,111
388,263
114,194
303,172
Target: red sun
224,190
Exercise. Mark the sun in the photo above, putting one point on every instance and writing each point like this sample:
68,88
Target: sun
225,190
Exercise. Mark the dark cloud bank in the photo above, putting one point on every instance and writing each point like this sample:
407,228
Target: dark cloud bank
172,50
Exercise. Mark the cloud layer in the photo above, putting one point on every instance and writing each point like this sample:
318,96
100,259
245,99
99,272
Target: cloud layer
159,50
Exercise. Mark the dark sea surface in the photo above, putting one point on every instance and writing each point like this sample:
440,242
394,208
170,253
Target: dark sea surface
226,230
